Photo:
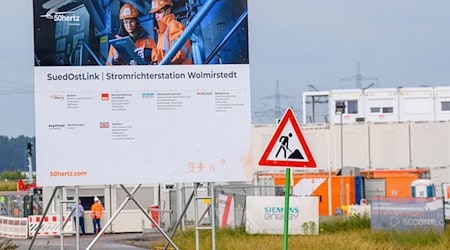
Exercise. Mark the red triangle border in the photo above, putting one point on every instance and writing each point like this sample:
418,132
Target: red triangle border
311,163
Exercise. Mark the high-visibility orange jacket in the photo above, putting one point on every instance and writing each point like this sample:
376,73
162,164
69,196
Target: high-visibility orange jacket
96,210
142,41
169,30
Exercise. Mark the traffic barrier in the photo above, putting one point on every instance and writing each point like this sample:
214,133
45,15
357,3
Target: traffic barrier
13,228
50,226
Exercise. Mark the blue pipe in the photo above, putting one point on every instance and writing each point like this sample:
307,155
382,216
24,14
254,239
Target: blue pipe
196,50
99,8
96,17
227,36
188,31
84,45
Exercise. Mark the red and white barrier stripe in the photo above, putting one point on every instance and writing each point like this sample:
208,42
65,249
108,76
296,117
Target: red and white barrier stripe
226,211
13,228
50,226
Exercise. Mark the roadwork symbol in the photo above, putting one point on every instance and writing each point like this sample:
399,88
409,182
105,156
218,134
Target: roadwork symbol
288,147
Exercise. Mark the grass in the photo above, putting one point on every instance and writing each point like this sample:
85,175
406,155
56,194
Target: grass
337,225
352,233
8,244
422,240
8,185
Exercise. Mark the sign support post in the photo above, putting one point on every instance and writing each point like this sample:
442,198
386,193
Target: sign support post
287,193
287,148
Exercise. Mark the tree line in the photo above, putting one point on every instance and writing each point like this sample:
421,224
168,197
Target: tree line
13,153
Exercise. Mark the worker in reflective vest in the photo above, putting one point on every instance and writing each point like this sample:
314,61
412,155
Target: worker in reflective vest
130,27
96,214
169,30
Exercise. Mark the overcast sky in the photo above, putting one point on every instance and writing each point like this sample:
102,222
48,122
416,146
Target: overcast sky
294,42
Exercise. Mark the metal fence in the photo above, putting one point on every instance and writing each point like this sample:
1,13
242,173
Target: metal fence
19,204
240,193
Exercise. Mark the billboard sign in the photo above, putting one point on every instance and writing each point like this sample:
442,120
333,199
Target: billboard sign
407,214
265,215
163,105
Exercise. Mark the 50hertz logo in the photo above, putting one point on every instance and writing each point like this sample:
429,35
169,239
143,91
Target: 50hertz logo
66,16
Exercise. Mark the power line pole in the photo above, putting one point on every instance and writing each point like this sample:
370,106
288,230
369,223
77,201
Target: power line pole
275,112
358,78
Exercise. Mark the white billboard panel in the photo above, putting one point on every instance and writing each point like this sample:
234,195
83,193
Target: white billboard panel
265,215
123,96
141,124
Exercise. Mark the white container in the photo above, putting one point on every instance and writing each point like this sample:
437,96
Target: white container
381,105
422,188
416,104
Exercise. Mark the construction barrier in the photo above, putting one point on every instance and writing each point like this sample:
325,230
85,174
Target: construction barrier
226,211
359,210
154,213
14,228
50,226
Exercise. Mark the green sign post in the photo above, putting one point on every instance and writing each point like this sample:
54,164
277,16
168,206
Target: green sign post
287,193
287,148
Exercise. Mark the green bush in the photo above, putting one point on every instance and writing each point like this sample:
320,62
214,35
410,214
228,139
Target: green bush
13,175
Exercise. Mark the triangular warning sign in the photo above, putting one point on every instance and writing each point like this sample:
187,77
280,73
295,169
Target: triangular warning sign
288,147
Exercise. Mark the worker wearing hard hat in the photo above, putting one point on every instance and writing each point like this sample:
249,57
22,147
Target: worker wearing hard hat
96,214
130,27
169,30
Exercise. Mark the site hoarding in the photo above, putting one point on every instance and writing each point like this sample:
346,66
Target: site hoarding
120,124
407,214
265,215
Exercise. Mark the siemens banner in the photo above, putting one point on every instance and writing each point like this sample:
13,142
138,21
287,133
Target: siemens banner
265,215
122,98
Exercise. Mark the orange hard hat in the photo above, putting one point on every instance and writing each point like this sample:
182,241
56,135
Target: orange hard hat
159,4
128,11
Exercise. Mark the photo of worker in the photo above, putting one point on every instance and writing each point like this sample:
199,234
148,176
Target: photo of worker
136,32
130,29
169,31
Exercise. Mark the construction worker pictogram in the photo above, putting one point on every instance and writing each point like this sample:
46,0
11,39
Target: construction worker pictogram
288,147
284,141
